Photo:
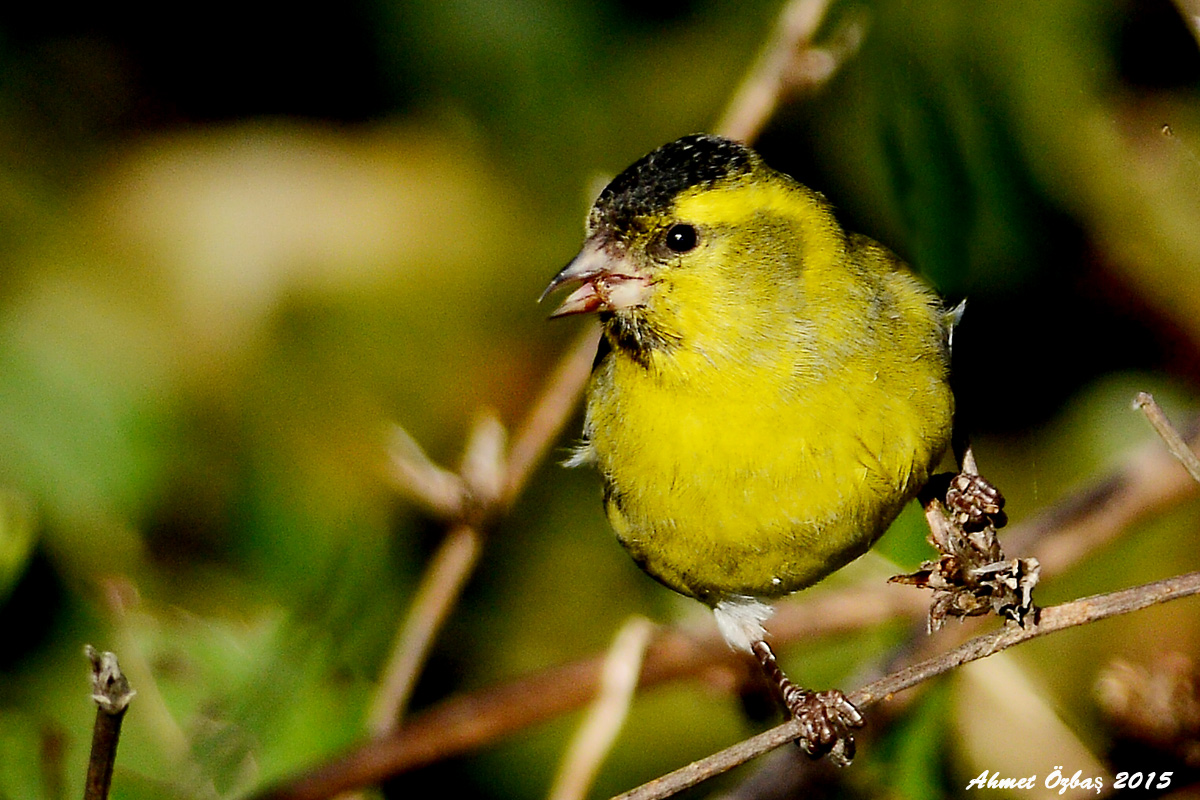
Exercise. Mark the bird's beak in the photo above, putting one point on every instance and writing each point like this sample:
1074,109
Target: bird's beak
606,283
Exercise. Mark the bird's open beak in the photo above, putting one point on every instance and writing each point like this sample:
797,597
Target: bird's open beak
606,283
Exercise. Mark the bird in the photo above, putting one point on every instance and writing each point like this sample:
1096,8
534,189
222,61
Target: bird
768,393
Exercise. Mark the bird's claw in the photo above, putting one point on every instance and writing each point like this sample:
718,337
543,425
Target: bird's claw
826,720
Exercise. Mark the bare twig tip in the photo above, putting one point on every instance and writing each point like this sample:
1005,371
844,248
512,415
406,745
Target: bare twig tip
414,473
484,461
1175,443
110,688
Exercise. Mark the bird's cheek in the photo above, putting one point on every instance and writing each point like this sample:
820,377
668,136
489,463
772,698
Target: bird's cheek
624,291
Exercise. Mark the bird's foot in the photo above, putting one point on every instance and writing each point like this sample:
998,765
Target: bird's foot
826,718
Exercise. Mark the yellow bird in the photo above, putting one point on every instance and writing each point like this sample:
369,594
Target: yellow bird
770,391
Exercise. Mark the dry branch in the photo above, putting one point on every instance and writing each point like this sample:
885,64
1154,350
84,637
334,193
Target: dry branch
487,483
595,738
1056,618
467,722
790,64
1166,431
111,693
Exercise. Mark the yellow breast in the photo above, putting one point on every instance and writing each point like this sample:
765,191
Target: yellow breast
754,463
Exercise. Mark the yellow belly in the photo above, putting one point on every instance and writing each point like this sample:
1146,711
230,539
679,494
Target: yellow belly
751,489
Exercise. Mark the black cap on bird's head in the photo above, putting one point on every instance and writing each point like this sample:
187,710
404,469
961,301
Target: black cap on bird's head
650,185
645,190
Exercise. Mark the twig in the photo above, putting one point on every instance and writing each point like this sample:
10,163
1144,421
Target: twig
618,681
413,473
480,479
1056,618
467,722
1150,480
1163,427
790,63
488,482
478,486
111,692
440,587
551,412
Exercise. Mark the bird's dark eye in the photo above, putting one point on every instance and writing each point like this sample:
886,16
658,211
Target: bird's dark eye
681,238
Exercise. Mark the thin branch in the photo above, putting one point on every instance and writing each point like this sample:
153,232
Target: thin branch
551,412
413,473
595,738
440,586
487,483
482,476
1056,618
789,64
1148,482
1061,536
111,692
1163,427
469,721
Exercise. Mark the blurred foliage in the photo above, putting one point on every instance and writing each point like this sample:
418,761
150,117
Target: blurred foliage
235,248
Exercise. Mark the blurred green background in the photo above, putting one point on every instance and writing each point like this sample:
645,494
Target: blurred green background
238,241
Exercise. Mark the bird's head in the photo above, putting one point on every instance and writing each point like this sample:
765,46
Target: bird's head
690,241
635,232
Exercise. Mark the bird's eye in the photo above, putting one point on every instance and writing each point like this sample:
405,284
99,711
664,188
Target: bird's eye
681,238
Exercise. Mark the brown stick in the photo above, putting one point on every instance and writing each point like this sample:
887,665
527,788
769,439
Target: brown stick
545,422
789,64
1056,618
468,722
1163,427
488,484
111,692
